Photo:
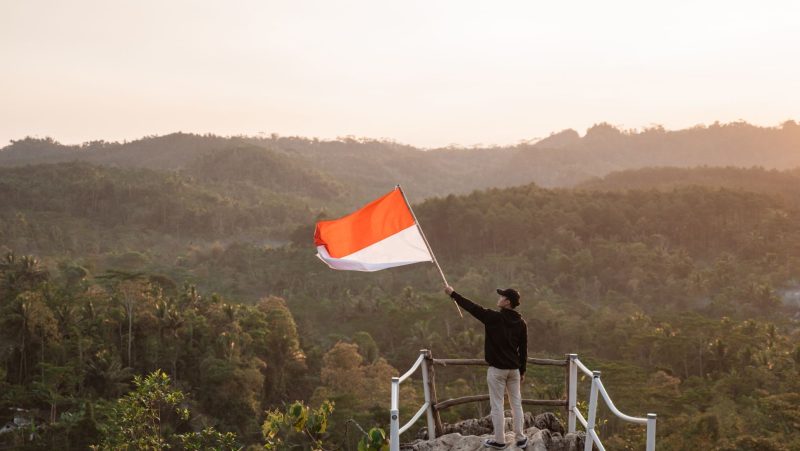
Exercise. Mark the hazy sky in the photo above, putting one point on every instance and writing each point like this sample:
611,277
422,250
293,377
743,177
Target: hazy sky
427,73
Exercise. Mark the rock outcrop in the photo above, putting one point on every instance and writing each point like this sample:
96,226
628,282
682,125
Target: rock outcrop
544,432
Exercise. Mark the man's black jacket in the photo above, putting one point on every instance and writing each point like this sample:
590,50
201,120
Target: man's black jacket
506,343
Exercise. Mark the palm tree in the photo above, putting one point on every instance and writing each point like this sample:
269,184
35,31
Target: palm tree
130,290
28,318
169,320
19,274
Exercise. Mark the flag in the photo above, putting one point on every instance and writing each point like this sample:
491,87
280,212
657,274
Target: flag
383,234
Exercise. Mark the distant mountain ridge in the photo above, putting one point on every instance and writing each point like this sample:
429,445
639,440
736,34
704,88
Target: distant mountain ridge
783,184
168,152
363,168
262,167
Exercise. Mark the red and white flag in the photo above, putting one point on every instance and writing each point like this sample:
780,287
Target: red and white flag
382,234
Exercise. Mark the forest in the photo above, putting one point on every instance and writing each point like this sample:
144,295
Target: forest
196,285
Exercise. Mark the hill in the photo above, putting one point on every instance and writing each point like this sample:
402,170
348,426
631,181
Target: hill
169,152
263,168
783,184
79,208
370,167
675,295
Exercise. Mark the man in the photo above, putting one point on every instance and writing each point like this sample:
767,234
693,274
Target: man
506,352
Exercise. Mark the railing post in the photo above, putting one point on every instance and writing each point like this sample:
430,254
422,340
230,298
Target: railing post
437,417
426,389
592,413
572,392
651,432
394,417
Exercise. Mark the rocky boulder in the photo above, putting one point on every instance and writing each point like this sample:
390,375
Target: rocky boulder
544,432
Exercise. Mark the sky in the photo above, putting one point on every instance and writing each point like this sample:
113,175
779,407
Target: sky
426,73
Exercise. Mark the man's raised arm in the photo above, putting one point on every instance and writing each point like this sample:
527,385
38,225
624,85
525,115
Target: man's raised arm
474,309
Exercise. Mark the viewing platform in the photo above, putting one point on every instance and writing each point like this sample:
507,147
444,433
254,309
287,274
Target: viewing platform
440,437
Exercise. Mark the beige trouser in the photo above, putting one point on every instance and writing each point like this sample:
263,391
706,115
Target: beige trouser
501,381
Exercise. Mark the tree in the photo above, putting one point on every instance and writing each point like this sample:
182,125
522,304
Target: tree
145,419
27,321
366,346
298,427
130,290
360,390
20,274
280,347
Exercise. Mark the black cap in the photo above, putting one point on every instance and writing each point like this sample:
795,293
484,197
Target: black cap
510,294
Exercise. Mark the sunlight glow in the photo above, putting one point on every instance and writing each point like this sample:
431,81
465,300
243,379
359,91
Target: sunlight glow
423,73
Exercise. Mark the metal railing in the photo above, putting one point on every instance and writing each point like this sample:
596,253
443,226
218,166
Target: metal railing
394,413
432,408
597,387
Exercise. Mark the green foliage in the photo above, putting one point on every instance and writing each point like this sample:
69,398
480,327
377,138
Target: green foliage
136,421
209,439
691,294
69,338
112,205
280,345
375,440
141,420
366,346
263,168
298,426
783,184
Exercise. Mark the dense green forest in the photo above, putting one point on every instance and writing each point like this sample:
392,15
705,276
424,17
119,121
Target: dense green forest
685,296
81,209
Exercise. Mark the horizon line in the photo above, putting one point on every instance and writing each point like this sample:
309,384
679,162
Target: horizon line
386,140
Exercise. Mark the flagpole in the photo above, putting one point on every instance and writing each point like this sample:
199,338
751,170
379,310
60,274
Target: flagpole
433,256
